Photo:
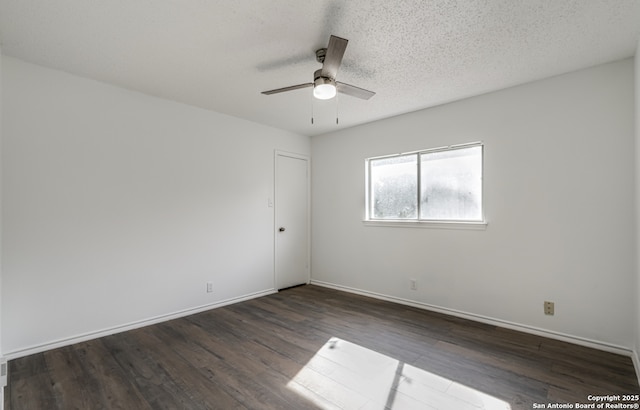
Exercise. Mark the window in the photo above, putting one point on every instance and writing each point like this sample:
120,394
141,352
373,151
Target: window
439,185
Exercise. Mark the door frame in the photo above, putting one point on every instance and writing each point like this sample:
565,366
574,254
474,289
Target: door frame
279,153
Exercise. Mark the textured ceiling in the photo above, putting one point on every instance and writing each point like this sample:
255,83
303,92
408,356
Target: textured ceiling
221,54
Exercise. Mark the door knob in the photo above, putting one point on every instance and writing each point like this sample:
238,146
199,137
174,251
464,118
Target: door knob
281,229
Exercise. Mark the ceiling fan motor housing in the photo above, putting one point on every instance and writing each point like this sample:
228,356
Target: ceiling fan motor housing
318,79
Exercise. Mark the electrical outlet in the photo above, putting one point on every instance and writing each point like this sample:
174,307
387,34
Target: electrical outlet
413,284
549,308
209,287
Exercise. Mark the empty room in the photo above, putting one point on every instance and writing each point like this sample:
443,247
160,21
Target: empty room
319,205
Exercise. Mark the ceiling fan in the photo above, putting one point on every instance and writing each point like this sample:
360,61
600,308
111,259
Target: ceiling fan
324,82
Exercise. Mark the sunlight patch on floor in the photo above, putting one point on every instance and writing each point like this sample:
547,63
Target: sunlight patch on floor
344,375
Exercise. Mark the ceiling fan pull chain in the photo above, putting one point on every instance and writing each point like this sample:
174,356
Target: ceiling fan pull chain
311,109
336,109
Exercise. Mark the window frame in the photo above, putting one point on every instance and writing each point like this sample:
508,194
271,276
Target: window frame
417,222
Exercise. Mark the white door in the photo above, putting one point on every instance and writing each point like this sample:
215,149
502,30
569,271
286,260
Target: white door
291,220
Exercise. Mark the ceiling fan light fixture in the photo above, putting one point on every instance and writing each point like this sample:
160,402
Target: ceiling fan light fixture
324,88
324,91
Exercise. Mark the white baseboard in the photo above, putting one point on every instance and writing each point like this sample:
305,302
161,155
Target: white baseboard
465,315
488,320
130,326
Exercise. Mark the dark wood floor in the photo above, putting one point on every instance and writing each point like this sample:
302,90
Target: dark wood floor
311,347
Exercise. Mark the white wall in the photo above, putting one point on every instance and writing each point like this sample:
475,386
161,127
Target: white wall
1,57
1,351
559,195
119,207
636,358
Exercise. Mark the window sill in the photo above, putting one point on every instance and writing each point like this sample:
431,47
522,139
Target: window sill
475,226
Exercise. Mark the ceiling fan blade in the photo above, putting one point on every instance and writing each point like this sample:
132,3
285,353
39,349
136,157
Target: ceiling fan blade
354,91
285,89
333,58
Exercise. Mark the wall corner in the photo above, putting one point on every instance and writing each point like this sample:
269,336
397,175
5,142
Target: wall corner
636,112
